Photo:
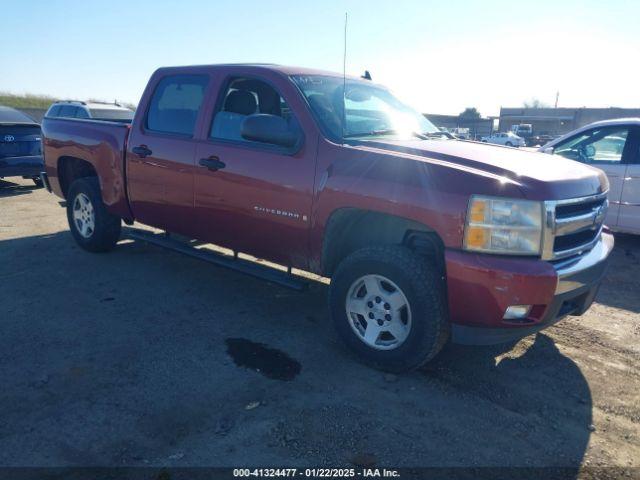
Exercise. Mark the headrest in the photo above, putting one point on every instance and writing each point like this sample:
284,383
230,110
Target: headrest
240,101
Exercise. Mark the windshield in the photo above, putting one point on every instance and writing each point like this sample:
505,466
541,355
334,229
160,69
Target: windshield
361,109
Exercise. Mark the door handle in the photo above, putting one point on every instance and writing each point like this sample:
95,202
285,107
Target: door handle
142,151
212,163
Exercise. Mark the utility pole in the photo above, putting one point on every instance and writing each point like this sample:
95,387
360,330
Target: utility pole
557,97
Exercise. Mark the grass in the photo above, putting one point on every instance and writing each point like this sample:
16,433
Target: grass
31,100
26,101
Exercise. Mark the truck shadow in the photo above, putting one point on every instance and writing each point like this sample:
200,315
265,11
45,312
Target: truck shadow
540,401
8,189
129,336
622,282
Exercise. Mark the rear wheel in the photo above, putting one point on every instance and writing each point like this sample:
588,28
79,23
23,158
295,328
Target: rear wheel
92,226
388,305
509,144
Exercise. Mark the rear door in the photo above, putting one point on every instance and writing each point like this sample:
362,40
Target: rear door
161,151
629,216
607,148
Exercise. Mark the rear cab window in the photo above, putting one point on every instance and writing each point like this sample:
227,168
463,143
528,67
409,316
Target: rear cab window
54,111
68,111
81,113
175,104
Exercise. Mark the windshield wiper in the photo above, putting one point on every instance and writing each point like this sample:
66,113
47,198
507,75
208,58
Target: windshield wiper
386,131
428,135
372,133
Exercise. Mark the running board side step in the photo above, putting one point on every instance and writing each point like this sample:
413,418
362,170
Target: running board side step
164,240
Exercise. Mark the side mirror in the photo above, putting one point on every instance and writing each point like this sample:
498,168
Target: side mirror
264,128
590,151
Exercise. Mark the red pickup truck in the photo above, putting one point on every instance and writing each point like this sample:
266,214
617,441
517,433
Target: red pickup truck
425,238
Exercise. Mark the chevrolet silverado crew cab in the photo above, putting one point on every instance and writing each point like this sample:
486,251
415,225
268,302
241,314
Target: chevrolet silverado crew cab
425,238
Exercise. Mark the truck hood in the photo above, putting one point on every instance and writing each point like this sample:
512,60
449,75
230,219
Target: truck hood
539,176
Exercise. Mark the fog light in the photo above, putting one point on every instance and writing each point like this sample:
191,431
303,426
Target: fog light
516,312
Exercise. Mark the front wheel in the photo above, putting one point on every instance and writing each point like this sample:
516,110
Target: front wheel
388,305
92,226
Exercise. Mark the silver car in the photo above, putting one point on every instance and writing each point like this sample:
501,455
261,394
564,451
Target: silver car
614,147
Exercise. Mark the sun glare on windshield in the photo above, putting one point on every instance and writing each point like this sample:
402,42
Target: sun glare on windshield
360,109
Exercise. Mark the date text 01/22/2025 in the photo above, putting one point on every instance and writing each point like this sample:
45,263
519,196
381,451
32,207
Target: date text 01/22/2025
316,472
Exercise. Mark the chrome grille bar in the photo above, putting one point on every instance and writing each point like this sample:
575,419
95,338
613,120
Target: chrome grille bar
555,227
575,224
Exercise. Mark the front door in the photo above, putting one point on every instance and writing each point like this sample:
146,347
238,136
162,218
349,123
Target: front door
254,196
161,155
606,148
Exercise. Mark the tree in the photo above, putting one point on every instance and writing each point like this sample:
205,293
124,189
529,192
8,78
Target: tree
534,103
470,112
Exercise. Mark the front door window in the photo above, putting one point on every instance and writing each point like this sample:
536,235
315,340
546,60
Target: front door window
598,146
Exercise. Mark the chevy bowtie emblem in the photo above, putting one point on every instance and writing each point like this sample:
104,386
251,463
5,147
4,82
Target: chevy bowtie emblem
600,215
9,138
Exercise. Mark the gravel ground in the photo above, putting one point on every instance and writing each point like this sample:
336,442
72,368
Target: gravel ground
123,359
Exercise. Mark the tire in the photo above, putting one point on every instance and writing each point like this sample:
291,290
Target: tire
38,182
84,202
508,144
423,320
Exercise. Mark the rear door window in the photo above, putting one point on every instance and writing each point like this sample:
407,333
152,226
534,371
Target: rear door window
175,104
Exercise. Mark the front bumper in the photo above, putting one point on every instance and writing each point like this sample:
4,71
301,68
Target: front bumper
30,166
554,290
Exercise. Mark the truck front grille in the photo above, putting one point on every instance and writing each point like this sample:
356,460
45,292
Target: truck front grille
572,227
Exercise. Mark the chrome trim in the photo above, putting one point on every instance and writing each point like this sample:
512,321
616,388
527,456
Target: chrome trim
580,249
584,271
576,224
553,227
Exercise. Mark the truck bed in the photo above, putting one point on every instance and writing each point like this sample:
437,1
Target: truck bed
101,144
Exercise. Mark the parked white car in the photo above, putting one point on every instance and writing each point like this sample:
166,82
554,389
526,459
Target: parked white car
614,147
509,139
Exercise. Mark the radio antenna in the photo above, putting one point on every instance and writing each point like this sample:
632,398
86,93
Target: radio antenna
344,79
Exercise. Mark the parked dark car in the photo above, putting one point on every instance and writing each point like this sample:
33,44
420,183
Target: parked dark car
20,146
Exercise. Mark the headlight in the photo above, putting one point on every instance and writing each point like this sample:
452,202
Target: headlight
499,225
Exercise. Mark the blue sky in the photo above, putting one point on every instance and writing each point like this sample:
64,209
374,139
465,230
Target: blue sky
440,56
